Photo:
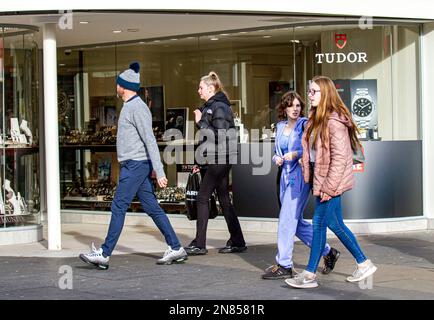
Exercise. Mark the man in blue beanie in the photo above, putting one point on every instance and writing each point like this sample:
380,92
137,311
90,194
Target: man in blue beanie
138,155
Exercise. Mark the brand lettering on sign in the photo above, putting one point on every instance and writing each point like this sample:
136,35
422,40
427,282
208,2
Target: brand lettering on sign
332,57
191,193
340,57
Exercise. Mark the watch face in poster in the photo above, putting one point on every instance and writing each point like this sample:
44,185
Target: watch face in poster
364,103
276,89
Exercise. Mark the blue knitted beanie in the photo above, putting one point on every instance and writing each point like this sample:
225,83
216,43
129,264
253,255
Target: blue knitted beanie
130,78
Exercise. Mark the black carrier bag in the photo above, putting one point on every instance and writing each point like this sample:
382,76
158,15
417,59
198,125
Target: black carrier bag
191,192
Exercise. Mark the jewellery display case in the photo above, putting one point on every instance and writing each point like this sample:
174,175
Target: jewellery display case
19,138
89,175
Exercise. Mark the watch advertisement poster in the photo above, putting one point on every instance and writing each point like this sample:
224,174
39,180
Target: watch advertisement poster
363,105
343,88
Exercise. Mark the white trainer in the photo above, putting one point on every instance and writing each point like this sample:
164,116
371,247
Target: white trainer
362,273
95,258
302,281
171,256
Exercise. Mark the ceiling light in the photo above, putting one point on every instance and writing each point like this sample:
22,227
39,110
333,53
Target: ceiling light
132,30
174,39
214,39
156,41
84,22
224,34
294,41
142,42
266,37
117,31
62,64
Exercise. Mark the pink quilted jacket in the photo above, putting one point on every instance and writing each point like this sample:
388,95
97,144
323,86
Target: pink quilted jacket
333,173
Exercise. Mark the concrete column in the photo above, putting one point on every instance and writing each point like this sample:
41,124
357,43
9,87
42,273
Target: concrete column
427,121
51,137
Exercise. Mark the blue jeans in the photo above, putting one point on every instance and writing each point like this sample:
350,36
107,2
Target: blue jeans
135,178
329,214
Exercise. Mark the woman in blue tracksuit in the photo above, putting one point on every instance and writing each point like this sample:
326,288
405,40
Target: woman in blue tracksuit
293,193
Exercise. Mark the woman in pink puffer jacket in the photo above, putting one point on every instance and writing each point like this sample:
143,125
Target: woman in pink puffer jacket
328,144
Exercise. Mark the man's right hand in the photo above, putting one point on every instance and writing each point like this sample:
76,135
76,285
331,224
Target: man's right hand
162,182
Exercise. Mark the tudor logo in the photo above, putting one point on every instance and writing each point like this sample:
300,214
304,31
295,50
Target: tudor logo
340,57
340,40
351,57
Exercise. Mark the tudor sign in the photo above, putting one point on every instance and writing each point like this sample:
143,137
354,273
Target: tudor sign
340,57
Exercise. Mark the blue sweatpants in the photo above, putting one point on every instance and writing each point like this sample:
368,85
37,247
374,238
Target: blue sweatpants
291,223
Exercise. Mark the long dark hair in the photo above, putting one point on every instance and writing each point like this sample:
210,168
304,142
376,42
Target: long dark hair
286,101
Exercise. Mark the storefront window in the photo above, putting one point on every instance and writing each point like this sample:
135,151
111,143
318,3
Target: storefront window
19,139
376,71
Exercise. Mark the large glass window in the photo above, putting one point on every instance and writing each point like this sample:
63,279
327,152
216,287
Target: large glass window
376,71
19,138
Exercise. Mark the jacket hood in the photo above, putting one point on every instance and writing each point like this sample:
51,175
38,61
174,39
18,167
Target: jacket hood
219,96
341,118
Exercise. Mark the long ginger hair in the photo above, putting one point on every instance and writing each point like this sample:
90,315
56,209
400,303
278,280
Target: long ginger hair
319,116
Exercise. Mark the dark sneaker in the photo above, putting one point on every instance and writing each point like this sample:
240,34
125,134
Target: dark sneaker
277,272
95,258
195,251
232,249
330,261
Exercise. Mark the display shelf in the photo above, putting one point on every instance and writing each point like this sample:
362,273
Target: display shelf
19,131
93,204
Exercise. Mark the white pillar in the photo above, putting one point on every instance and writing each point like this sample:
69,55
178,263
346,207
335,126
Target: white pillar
427,118
51,137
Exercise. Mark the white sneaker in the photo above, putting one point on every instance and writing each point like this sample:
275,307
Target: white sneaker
95,258
302,281
362,273
171,256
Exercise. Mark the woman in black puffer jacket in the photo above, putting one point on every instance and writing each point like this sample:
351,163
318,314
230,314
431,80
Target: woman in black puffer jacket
217,149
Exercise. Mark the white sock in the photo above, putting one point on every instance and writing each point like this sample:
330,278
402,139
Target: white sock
309,274
364,263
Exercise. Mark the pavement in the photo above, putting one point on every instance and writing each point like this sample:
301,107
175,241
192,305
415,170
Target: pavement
405,264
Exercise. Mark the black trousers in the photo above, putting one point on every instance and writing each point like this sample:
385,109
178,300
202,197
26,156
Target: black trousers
217,178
